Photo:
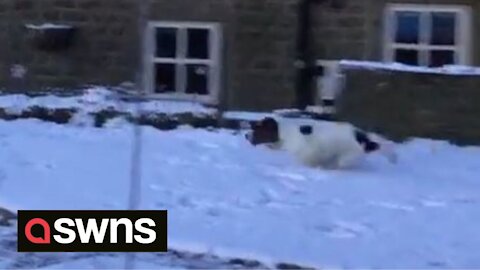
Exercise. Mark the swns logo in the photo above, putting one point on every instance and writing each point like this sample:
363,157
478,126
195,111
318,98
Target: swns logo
92,231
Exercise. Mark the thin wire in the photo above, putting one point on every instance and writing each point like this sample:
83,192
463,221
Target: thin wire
136,161
135,178
135,194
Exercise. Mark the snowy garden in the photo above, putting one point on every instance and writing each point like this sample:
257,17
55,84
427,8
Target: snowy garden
228,199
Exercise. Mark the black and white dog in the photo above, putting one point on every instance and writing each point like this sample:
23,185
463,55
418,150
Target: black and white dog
333,145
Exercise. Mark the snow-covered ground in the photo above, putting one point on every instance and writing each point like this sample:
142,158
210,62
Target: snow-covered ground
228,198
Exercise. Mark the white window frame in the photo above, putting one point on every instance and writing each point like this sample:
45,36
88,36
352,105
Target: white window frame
462,47
214,62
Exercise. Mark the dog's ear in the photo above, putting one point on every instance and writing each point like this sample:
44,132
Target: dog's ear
361,136
270,122
265,131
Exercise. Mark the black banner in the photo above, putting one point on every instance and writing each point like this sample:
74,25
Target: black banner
92,231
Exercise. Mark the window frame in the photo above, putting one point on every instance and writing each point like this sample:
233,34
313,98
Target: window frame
463,27
213,62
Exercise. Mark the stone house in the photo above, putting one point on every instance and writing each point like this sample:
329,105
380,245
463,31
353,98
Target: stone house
236,54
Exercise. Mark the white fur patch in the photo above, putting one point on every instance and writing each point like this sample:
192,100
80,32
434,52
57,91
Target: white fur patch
331,145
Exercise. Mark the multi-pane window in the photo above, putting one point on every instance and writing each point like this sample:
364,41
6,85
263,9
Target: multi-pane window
184,60
427,35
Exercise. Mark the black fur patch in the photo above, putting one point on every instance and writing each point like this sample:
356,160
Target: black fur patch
265,131
306,130
363,139
371,146
361,136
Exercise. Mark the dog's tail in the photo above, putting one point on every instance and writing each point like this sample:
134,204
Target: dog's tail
388,150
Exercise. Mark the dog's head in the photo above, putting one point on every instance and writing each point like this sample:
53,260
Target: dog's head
265,131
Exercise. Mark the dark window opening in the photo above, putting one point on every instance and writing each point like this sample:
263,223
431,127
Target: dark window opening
197,79
443,28
198,43
166,42
408,57
164,78
439,58
408,27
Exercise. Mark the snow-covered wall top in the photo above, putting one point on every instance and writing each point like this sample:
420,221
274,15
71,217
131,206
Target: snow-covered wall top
48,26
448,69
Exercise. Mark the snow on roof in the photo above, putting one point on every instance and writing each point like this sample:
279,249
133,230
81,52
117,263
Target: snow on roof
447,69
97,99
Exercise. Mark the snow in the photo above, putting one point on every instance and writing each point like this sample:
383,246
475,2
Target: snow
48,26
11,259
246,116
82,119
104,262
96,99
231,199
447,69
257,116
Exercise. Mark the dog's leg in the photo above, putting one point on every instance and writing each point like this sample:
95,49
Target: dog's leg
347,160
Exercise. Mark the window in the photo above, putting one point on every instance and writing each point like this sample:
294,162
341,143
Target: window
427,35
184,60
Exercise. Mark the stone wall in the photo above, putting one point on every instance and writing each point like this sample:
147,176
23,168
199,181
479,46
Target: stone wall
103,50
263,52
258,42
342,32
259,47
402,104
355,31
